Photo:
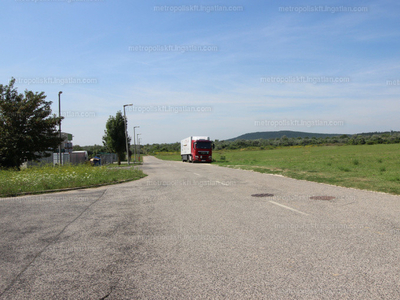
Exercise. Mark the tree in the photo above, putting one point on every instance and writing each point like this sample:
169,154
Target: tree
114,138
27,131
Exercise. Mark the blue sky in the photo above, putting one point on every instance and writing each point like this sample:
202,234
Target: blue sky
268,65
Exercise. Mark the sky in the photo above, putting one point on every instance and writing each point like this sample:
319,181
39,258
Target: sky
210,68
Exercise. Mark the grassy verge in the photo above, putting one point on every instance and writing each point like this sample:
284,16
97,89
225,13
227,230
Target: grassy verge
40,179
124,164
175,156
370,167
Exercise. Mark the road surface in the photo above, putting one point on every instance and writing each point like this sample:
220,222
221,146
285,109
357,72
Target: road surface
194,231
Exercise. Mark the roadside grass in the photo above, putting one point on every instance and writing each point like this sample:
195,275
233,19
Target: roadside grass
369,167
46,178
124,164
175,156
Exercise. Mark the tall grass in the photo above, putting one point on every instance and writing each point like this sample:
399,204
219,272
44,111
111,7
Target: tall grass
39,179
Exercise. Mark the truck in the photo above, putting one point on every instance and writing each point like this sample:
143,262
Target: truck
197,149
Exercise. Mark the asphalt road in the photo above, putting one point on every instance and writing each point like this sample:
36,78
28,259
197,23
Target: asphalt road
194,231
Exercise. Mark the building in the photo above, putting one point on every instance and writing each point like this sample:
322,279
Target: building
66,150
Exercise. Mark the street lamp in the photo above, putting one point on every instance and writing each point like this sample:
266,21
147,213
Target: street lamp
137,136
59,128
134,143
126,134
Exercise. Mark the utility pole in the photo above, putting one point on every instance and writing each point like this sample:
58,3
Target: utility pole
134,142
139,148
59,128
126,134
139,145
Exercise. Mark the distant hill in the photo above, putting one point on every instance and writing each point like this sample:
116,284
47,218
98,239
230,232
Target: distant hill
379,133
278,134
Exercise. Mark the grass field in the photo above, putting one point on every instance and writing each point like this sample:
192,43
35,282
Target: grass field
40,179
370,167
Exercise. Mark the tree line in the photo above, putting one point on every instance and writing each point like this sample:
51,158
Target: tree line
28,129
392,137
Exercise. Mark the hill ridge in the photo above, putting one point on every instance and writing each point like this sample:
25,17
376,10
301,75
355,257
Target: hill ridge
278,134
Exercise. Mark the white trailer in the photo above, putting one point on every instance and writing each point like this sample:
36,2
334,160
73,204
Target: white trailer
196,148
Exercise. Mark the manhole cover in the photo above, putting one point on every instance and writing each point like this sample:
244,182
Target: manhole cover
322,198
262,195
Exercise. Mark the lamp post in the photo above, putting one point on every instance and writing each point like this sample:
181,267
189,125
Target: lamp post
59,128
134,143
126,134
139,145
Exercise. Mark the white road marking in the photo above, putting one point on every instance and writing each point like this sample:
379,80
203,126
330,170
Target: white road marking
221,183
287,207
196,174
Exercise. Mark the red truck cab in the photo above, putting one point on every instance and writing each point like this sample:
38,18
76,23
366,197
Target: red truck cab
196,149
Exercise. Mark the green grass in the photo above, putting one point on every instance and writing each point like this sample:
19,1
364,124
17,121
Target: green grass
40,179
175,156
370,167
124,164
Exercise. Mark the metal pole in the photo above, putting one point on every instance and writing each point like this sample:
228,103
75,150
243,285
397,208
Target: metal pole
59,128
134,143
126,134
139,145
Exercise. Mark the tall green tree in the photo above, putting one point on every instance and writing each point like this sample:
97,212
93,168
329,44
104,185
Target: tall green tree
27,128
114,138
